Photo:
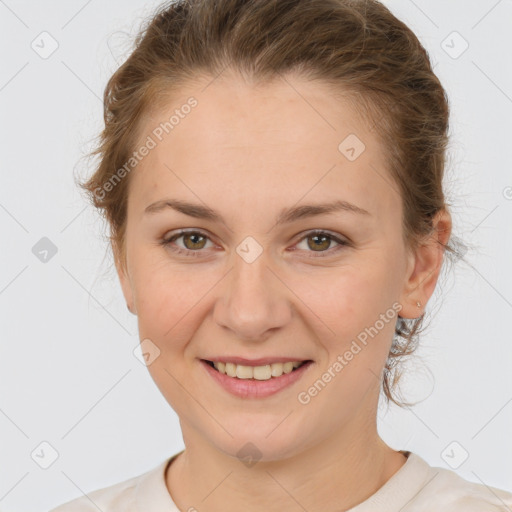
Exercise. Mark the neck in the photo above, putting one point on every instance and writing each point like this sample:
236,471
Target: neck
341,472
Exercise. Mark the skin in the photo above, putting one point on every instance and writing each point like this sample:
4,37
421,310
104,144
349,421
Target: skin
248,151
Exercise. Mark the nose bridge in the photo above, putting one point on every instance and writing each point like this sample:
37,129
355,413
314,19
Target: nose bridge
252,301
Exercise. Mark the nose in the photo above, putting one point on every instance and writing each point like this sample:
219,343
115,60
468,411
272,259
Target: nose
253,301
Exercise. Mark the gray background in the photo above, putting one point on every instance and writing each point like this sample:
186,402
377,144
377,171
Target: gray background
68,374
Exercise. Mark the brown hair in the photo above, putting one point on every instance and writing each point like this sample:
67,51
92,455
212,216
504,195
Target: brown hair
358,46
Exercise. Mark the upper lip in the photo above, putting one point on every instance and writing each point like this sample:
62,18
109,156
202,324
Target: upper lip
254,362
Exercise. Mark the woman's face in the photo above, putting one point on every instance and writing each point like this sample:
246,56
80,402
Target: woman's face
259,283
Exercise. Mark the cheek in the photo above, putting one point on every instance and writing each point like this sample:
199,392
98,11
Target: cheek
338,302
171,301
165,306
349,295
351,309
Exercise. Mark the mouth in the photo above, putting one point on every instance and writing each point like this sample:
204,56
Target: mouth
255,382
251,372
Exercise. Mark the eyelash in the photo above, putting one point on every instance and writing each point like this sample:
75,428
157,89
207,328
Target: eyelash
166,242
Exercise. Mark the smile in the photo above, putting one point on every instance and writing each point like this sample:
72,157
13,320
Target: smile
255,381
264,372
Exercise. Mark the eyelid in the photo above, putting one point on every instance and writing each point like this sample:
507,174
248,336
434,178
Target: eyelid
335,237
167,240
320,231
342,241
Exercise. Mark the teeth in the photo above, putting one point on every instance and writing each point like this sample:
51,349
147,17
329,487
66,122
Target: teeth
265,372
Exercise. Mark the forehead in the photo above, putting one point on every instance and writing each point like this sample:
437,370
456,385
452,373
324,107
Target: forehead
266,142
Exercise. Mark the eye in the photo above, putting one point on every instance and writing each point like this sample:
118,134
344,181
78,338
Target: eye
321,240
194,241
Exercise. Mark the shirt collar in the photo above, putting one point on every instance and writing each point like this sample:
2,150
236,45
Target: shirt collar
151,493
401,488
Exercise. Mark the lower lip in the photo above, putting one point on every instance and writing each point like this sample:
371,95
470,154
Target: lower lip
252,388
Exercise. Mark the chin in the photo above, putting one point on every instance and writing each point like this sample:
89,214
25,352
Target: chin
260,443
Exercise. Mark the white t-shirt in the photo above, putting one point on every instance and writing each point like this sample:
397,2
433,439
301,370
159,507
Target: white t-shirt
415,487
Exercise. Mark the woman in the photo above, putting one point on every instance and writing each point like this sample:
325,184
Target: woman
272,175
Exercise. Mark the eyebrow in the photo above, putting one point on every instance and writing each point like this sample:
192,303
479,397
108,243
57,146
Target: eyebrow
286,215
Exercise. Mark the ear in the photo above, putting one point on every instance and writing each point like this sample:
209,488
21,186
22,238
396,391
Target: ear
424,267
124,277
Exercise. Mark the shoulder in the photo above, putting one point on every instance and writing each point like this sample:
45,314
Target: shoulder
446,491
121,496
108,499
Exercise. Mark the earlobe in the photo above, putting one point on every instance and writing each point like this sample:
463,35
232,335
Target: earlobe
425,267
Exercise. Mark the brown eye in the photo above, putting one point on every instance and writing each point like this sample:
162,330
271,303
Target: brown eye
195,243
320,242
